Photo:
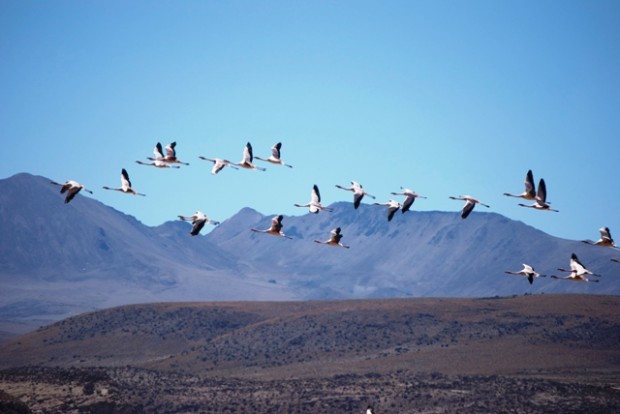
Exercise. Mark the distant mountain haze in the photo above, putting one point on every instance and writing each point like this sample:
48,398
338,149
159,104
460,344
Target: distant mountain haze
60,259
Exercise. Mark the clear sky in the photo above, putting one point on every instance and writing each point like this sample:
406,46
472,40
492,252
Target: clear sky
445,97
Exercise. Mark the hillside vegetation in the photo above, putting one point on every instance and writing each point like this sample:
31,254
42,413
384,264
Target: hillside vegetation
533,353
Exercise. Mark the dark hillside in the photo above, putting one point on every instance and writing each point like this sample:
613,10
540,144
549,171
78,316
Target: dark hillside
532,354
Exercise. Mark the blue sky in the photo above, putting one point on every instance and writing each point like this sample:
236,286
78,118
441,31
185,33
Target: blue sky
445,97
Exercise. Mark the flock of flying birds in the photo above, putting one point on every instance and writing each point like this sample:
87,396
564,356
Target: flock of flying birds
577,272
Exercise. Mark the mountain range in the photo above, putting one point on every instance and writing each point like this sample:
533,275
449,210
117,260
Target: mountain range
58,260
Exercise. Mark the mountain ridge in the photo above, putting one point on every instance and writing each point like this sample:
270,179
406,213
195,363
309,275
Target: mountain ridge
85,255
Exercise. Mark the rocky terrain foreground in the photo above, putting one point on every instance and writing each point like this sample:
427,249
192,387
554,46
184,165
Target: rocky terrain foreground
528,354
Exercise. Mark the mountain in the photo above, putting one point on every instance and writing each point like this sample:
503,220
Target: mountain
61,259
416,254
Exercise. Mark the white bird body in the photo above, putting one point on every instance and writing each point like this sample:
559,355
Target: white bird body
158,163
541,198
198,219
470,203
605,241
334,239
125,185
248,158
577,271
575,278
527,271
275,158
410,197
358,192
370,410
315,201
71,188
275,229
218,164
171,154
530,189
392,206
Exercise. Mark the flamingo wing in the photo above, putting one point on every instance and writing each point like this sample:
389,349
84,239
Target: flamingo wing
125,182
158,151
197,225
467,209
248,155
275,150
170,151
408,203
529,184
541,195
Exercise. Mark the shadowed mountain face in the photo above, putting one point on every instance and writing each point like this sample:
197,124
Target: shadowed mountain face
59,259
416,254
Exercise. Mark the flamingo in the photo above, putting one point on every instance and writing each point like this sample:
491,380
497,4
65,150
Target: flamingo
71,188
248,157
275,156
171,154
275,229
334,239
218,164
530,190
469,205
605,240
527,271
575,278
125,185
158,151
158,163
577,268
393,207
410,197
541,198
358,192
199,219
315,201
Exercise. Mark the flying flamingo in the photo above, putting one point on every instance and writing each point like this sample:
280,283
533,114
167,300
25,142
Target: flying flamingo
171,154
527,271
71,188
358,192
125,185
248,157
199,219
158,152
605,240
530,190
410,197
315,201
469,205
577,268
334,239
393,207
575,278
275,229
158,163
275,156
541,198
218,164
